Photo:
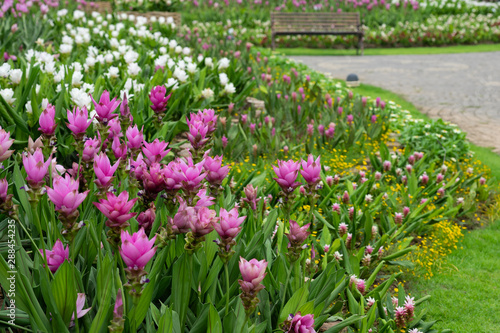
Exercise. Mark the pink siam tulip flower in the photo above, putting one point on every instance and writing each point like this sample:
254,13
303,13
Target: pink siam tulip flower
80,303
114,129
90,148
251,196
119,148
56,256
300,324
207,117
343,227
252,272
398,218
153,180
104,171
137,250
229,223
5,143
215,171
47,121
198,134
135,138
350,119
105,108
36,168
116,209
125,110
157,97
321,129
78,121
146,219
297,234
203,224
361,286
387,165
224,141
64,194
171,176
400,315
287,172
182,219
4,186
137,167
204,200
190,174
311,170
373,119
155,151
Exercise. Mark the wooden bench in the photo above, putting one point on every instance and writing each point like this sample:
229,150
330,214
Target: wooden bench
317,24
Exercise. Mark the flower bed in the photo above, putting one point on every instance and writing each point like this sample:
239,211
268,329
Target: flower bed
145,193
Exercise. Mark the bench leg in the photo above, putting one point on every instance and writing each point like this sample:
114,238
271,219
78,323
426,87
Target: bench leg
361,43
272,42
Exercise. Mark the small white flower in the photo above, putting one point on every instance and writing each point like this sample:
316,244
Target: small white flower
209,62
15,76
224,63
76,79
207,93
230,89
191,68
5,69
29,109
113,72
80,98
8,95
172,83
133,69
224,80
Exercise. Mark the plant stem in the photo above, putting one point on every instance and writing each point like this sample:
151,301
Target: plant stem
227,287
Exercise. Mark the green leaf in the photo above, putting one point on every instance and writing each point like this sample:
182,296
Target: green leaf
298,299
349,321
64,291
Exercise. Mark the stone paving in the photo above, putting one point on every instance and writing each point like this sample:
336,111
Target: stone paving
461,88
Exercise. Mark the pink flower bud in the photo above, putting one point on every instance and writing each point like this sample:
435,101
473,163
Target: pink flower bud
155,151
297,234
215,171
135,137
158,98
311,170
5,143
64,194
136,250
287,172
252,272
47,121
78,121
117,209
36,168
56,256
228,226
105,107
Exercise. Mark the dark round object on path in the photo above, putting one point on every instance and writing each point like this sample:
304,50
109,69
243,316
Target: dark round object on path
352,80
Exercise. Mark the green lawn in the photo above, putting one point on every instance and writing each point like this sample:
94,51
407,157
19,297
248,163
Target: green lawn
392,51
466,292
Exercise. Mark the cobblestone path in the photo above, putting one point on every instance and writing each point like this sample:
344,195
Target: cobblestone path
460,88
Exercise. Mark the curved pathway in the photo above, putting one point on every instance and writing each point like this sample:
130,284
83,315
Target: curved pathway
461,88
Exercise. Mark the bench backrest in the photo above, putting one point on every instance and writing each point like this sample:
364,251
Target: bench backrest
315,22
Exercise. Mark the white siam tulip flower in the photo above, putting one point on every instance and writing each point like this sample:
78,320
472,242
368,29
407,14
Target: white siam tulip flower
209,62
224,80
191,68
45,103
207,93
172,83
80,98
163,50
76,79
130,57
88,87
133,69
15,76
178,49
200,58
180,75
109,58
113,72
224,63
8,95
65,48
186,51
172,44
5,69
29,109
230,89
50,68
